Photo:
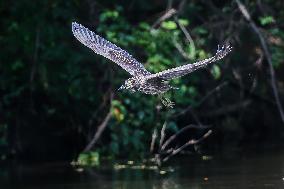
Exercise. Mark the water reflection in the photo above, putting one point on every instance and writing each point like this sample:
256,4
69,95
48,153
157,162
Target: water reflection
262,170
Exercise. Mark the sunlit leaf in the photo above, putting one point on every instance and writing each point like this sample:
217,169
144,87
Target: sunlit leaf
265,20
216,71
183,22
169,25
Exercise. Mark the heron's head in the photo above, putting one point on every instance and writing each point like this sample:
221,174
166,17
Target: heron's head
129,84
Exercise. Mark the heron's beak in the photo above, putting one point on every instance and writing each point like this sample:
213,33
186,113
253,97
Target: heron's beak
121,87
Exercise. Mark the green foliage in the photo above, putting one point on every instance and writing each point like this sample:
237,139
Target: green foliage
89,159
266,20
216,71
169,25
183,22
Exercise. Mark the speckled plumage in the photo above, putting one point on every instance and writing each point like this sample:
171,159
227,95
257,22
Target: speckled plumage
109,50
141,80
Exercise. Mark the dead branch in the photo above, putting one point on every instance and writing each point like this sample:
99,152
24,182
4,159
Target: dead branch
162,134
173,137
180,49
154,137
190,142
169,13
94,114
163,151
187,36
267,54
100,129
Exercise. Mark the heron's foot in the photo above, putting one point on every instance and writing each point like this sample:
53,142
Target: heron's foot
169,103
166,102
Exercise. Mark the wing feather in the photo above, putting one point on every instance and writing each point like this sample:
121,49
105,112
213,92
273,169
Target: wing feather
109,50
188,68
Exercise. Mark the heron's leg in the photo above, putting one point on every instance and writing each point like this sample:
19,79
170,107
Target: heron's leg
165,101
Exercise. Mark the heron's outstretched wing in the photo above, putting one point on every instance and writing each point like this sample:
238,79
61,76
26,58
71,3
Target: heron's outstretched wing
107,49
188,68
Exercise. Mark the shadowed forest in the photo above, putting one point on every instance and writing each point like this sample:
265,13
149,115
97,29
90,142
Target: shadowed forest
60,99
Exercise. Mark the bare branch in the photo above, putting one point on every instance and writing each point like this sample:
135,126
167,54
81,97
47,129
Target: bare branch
173,137
190,142
169,13
100,129
180,49
188,37
94,114
154,137
162,134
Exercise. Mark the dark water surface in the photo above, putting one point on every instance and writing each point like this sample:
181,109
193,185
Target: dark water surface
257,170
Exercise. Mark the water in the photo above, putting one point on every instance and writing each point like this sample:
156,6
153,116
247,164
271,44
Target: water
229,170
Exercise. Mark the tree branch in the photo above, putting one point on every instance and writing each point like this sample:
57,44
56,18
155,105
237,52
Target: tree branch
267,54
173,137
100,130
190,142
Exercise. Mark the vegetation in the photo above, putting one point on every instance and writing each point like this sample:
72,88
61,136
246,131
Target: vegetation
55,92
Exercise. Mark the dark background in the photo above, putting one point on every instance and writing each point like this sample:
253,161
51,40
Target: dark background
55,92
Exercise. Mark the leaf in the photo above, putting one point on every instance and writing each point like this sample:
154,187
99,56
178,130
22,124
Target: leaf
266,20
18,64
192,91
183,22
144,25
109,15
169,25
89,159
216,71
200,30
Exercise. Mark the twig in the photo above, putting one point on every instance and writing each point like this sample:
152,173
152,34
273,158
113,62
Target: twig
190,142
173,137
154,137
195,117
180,49
267,54
188,37
94,114
162,134
100,129
238,77
169,13
181,6
169,4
